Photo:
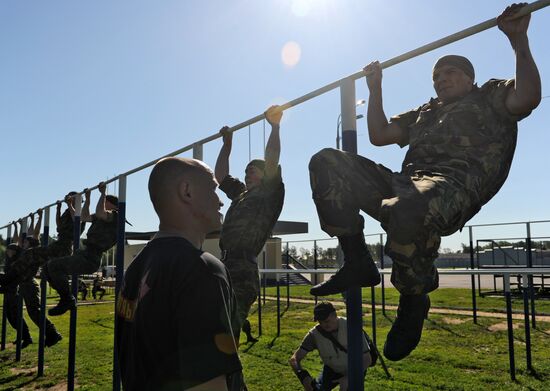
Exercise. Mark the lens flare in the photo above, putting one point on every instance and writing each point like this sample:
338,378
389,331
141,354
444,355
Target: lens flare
290,54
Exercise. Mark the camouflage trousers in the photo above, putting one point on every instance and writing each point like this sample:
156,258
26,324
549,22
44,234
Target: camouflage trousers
415,211
243,272
81,262
30,293
26,266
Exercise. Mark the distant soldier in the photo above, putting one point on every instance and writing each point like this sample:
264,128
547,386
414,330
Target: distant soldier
101,236
97,288
461,147
30,260
28,288
255,208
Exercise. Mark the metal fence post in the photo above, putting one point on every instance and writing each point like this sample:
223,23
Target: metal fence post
43,283
19,301
4,317
383,275
353,307
119,268
508,296
531,285
77,199
472,277
525,286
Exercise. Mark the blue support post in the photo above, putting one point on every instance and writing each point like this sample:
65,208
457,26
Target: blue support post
4,317
508,296
121,242
353,308
77,199
472,277
42,320
19,301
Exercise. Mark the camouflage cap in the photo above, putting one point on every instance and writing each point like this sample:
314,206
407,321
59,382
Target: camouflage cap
258,163
460,62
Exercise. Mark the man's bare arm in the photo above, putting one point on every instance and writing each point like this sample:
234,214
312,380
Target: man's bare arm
58,213
294,362
381,132
85,214
273,146
100,210
526,94
36,232
222,163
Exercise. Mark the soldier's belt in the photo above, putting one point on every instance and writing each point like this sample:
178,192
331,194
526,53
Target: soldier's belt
240,254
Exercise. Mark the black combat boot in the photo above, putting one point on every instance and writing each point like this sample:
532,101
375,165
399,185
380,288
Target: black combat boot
359,268
52,337
248,331
65,304
406,330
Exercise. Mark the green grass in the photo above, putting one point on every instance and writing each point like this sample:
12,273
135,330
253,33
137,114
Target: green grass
451,355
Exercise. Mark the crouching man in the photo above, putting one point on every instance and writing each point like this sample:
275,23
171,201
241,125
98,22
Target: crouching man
330,338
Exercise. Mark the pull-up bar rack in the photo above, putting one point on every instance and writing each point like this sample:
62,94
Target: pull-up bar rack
197,146
349,142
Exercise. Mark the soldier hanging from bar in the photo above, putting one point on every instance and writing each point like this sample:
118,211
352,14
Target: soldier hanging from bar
461,146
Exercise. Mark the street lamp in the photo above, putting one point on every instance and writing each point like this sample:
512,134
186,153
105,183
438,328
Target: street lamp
360,102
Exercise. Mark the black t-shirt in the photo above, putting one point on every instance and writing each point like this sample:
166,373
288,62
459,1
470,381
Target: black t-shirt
176,315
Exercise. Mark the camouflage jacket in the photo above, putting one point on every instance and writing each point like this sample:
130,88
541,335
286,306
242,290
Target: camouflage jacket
65,231
252,214
102,235
471,142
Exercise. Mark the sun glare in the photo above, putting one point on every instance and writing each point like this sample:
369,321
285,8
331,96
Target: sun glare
290,54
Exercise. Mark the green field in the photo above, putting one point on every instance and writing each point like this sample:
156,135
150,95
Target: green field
455,353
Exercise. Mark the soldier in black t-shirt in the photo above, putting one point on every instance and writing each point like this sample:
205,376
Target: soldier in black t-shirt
176,311
101,236
255,208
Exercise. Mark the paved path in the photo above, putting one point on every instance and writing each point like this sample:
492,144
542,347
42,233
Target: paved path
435,310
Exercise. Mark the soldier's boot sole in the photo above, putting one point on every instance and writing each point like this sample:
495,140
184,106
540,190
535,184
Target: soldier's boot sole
63,306
406,330
357,274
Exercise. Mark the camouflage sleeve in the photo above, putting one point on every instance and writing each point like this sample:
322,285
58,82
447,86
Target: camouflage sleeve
405,120
232,187
308,343
496,92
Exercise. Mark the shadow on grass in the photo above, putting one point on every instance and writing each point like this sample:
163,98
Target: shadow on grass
249,346
272,343
443,327
98,323
9,379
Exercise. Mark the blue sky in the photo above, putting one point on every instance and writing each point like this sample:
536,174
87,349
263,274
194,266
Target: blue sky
89,90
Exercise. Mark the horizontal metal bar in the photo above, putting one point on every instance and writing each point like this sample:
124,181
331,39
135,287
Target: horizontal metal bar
458,272
529,8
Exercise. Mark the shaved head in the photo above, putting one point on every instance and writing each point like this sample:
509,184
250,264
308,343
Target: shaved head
167,175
